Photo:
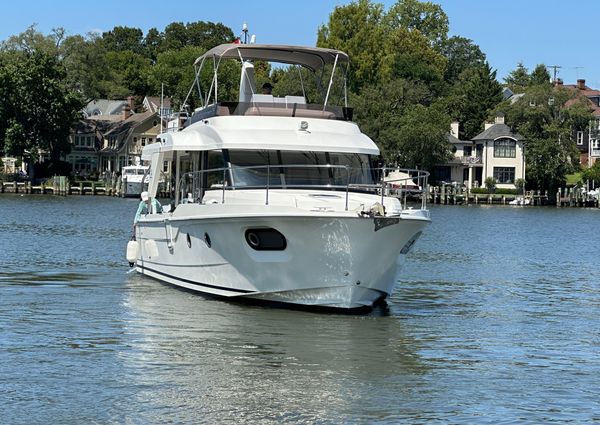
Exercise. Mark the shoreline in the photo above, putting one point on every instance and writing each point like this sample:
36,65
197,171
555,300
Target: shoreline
436,195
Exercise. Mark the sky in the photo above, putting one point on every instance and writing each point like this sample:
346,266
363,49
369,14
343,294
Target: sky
552,32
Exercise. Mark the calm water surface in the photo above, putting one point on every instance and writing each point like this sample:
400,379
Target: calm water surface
496,320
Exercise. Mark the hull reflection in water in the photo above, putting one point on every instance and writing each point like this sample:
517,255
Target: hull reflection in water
221,362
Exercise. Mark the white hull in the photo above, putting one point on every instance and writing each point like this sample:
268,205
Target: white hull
329,261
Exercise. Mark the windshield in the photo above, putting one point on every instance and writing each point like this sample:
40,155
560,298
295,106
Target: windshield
294,168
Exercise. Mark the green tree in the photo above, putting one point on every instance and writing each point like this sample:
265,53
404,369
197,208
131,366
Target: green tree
38,110
129,74
422,138
473,97
208,34
31,40
413,59
86,65
174,69
426,17
124,39
175,36
546,117
199,34
461,54
153,43
377,110
518,80
539,76
592,173
357,29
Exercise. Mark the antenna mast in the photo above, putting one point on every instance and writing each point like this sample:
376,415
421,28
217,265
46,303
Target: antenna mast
245,32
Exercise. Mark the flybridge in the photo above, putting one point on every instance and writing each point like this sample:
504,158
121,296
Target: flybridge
328,68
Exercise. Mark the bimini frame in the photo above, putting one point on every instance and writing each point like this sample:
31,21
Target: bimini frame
312,58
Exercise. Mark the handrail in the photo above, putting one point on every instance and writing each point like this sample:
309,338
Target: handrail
415,179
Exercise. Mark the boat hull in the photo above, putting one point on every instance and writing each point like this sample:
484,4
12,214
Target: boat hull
328,261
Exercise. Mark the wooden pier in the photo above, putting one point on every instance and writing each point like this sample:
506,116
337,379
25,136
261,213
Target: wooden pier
457,196
573,197
60,186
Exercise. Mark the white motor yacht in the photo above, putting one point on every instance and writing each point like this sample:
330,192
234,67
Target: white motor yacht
135,179
276,198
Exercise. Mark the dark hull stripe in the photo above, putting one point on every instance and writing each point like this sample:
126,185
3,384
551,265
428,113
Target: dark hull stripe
191,282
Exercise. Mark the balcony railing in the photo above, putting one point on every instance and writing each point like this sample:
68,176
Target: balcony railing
470,160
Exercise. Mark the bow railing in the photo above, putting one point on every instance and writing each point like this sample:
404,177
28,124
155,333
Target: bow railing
405,184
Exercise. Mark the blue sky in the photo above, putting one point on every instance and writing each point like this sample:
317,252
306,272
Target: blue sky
552,32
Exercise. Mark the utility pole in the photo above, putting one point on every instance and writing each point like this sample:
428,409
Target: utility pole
555,68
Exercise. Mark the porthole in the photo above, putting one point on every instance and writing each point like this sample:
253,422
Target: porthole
265,239
207,239
189,240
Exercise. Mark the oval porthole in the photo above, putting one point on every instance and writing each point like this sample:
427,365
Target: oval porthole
189,240
207,239
265,239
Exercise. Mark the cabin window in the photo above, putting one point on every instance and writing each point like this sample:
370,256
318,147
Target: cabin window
504,174
505,148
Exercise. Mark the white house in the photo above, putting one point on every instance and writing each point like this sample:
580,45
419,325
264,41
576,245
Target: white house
502,153
497,152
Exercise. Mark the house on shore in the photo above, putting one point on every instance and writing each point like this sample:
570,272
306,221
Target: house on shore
586,139
497,152
503,153
111,136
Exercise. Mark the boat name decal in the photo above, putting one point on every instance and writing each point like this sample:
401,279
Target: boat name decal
381,222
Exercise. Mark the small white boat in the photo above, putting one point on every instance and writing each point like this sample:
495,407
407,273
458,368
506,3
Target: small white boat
520,201
402,184
135,179
276,199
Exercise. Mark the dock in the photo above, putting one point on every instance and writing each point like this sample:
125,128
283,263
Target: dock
568,197
60,186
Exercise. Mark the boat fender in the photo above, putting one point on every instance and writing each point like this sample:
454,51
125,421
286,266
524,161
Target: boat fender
132,252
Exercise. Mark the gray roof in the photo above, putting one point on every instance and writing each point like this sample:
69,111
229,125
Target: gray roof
91,125
496,131
130,123
152,103
452,139
104,107
310,57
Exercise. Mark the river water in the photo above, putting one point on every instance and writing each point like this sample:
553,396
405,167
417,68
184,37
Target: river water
495,320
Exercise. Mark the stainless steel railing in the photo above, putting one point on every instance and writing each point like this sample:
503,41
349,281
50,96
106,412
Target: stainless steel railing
411,185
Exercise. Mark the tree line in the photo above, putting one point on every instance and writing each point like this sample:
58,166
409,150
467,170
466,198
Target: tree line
408,80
